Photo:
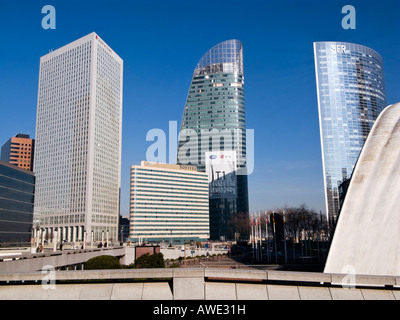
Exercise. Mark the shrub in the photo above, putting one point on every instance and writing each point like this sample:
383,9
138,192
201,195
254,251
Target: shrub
174,265
102,262
150,261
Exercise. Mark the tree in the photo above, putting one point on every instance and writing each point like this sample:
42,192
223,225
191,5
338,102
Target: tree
299,220
102,262
150,261
239,223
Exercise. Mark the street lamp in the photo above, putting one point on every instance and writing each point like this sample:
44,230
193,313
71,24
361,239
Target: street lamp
84,239
55,239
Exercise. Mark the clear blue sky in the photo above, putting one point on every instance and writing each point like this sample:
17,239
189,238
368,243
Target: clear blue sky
161,43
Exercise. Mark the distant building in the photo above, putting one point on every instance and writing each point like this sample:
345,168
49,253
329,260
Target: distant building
17,188
78,141
142,250
123,232
168,202
351,95
19,150
343,187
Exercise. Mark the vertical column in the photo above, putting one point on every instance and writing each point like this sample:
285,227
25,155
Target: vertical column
55,239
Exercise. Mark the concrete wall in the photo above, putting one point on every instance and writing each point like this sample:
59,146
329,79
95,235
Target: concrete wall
26,262
141,250
196,284
175,253
35,262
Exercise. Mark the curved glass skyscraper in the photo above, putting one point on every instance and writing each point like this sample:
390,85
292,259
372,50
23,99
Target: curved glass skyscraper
351,94
213,128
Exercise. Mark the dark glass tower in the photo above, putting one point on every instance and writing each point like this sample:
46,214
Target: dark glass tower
351,95
17,189
214,121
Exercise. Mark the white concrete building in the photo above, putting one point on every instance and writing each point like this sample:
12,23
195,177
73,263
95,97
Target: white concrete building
168,202
78,142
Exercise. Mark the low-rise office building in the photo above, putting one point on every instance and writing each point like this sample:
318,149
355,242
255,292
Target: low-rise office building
168,203
19,151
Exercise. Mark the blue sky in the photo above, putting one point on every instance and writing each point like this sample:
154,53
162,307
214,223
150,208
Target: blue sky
161,43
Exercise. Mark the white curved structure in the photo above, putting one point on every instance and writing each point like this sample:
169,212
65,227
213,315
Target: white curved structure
367,236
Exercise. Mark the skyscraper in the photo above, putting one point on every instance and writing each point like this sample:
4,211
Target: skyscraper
19,150
351,94
214,121
78,141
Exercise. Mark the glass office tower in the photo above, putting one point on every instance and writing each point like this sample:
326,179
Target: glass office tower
17,188
214,121
78,141
351,94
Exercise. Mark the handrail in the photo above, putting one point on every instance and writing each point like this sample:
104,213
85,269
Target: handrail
53,253
286,277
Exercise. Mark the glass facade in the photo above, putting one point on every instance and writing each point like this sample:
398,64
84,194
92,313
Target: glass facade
214,120
351,94
17,187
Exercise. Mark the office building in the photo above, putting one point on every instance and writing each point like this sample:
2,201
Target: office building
78,141
168,203
17,188
123,232
19,150
214,121
351,95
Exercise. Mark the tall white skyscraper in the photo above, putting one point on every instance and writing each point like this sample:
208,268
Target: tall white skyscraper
78,142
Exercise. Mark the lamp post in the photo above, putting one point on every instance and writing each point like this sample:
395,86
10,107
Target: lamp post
37,232
276,253
84,239
55,239
37,235
284,235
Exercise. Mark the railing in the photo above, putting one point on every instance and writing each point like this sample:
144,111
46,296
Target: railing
52,253
35,261
265,276
195,283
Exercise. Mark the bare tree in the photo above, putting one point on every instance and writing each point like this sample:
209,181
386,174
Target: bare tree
298,221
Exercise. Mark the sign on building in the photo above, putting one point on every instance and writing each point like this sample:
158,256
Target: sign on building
221,170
